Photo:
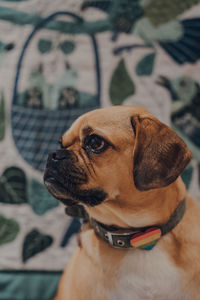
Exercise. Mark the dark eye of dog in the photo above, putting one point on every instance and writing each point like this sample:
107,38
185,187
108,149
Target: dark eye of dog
95,143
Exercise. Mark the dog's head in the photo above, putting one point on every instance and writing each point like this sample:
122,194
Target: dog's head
112,152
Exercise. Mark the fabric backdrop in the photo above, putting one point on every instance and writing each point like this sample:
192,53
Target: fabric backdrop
59,59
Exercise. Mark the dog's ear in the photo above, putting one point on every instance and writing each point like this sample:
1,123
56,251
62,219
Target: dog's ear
160,155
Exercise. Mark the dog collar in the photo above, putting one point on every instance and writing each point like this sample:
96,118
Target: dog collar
141,238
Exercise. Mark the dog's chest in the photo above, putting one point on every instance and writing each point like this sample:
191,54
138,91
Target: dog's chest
148,275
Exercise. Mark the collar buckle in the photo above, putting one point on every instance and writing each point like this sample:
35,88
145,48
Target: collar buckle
109,238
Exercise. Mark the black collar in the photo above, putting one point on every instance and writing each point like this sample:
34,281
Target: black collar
141,238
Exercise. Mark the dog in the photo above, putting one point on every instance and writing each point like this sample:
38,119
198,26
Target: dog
141,240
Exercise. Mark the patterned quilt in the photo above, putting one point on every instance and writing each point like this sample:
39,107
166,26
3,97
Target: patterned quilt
58,60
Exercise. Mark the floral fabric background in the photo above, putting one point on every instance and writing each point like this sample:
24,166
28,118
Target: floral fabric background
59,59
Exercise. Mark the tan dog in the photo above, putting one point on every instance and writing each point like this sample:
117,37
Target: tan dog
123,166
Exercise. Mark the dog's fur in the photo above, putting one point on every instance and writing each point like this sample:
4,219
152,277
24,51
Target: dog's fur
133,182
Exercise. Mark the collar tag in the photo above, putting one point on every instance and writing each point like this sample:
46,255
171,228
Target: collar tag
146,240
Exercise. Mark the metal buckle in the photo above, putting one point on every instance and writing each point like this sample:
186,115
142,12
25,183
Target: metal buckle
118,243
109,237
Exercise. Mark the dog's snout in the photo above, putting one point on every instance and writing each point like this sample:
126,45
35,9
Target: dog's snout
61,154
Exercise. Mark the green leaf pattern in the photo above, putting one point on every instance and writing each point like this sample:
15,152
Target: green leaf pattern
121,85
145,65
39,198
34,243
9,230
13,186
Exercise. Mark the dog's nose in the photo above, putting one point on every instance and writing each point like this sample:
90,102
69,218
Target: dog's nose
61,154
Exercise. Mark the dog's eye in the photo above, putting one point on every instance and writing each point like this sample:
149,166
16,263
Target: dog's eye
95,143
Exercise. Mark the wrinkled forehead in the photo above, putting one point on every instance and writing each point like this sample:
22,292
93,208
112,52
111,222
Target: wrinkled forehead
110,121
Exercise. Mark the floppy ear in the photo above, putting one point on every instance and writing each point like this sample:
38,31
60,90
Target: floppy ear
160,155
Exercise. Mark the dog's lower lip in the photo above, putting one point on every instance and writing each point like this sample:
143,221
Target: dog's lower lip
66,201
49,179
53,180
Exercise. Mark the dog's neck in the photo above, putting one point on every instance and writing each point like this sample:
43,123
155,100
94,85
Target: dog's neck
140,209
133,236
